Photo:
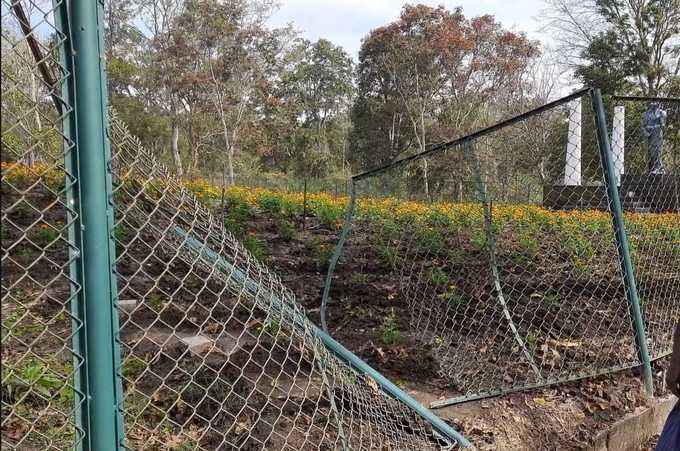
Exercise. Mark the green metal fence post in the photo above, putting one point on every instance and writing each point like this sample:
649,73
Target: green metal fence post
65,108
622,239
104,428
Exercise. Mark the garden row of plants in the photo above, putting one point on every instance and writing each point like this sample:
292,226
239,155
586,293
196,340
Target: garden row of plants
581,233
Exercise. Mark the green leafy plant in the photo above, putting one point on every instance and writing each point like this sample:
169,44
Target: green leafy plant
270,332
322,252
390,329
270,203
387,254
255,247
155,301
17,321
329,215
478,238
437,276
285,229
133,367
358,278
550,297
35,380
121,233
237,212
430,240
46,234
451,296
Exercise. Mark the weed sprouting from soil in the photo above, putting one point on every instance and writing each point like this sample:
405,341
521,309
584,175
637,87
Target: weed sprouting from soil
390,329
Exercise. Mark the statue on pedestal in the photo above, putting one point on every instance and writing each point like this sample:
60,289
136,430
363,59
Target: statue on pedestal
653,122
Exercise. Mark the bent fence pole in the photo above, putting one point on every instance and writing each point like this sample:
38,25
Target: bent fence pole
235,275
622,239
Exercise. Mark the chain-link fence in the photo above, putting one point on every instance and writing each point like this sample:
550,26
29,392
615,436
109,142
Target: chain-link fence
504,251
216,353
208,348
41,358
646,148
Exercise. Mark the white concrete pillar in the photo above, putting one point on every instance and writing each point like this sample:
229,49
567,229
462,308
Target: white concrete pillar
572,166
618,136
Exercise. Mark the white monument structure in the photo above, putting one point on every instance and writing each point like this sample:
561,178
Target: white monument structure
572,167
618,132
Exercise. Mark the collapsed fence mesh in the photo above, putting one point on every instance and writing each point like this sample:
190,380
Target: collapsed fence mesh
499,253
215,351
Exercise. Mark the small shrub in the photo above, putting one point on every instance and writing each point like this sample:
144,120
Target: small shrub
438,276
255,247
322,253
269,333
285,229
133,367
47,234
529,245
390,329
387,254
390,231
155,301
121,233
550,297
430,240
237,213
329,215
451,296
478,239
35,382
358,278
270,203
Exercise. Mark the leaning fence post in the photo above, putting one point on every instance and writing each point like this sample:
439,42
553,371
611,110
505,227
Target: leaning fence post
104,430
623,248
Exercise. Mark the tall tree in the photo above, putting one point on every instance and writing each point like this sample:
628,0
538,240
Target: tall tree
320,84
619,44
425,77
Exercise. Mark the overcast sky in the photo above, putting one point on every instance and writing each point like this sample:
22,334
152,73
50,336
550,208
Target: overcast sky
345,22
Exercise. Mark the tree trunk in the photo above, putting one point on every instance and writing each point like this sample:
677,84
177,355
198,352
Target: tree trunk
425,180
32,157
194,161
229,143
175,150
230,164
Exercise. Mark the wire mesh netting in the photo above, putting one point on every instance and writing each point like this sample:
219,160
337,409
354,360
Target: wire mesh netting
503,254
40,349
216,352
646,147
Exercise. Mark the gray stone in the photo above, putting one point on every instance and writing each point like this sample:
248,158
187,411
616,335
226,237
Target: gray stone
127,305
197,344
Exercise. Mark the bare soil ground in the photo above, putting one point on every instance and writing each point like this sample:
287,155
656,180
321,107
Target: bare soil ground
566,416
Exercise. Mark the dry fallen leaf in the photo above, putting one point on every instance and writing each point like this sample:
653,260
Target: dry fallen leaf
539,401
